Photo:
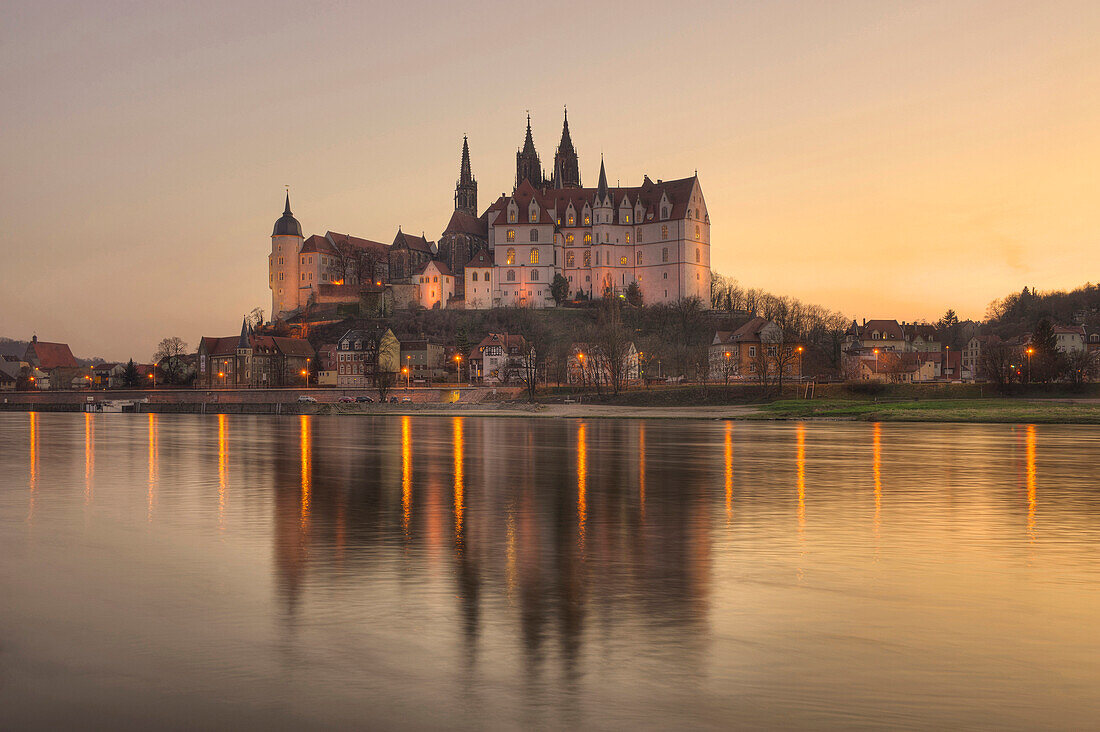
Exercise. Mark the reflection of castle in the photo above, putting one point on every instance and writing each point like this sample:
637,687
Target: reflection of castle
599,239
547,534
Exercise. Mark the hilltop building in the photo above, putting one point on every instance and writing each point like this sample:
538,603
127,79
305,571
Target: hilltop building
600,239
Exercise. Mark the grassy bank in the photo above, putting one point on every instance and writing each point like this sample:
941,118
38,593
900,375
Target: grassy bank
925,410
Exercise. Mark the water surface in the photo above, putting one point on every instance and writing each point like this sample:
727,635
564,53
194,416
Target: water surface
309,572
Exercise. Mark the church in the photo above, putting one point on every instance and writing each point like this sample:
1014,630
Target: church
600,239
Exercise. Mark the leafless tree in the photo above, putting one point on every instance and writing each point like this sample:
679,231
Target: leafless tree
612,345
996,365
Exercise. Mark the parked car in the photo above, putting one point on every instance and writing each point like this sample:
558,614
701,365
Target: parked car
363,399
406,399
346,400
393,400
307,398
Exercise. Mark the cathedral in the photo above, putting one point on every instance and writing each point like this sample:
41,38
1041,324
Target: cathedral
600,239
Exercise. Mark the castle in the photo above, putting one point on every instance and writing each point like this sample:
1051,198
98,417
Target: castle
599,239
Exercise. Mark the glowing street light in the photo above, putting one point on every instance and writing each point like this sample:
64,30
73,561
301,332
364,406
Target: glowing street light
800,363
1030,351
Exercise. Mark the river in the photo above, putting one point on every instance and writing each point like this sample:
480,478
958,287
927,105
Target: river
187,571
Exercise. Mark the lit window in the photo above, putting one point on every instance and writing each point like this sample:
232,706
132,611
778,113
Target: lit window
511,217
587,239
572,221
511,234
587,258
697,231
638,258
534,258
623,261
534,234
587,220
568,238
664,231
534,216
510,256
626,218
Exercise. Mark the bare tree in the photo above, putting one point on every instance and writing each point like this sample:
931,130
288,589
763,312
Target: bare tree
612,345
783,355
1081,366
996,365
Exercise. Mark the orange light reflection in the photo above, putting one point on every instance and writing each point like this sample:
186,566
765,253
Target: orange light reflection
89,456
305,440
223,466
729,472
406,473
1031,475
582,487
459,478
154,469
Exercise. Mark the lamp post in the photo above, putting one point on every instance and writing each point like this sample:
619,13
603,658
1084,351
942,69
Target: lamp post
1030,351
458,365
305,373
580,357
800,363
406,370
947,360
727,374
225,368
153,376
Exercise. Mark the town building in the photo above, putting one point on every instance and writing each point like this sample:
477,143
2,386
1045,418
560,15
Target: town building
251,360
437,285
600,239
364,356
56,361
744,353
498,359
424,359
1070,338
588,366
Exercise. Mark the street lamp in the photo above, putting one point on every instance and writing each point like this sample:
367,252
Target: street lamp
225,367
800,363
406,372
305,373
876,363
728,354
153,376
1029,352
458,364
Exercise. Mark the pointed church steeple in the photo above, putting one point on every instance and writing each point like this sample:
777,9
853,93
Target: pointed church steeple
287,225
466,188
601,187
528,166
567,172
242,342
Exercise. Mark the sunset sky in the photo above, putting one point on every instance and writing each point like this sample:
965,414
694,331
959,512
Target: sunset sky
885,159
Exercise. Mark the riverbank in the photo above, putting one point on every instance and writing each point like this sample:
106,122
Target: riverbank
993,411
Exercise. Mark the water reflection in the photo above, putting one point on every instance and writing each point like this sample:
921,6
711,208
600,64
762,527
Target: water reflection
507,585
32,453
89,456
154,474
1030,438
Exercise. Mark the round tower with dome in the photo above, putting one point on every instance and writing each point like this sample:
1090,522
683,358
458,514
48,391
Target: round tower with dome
282,263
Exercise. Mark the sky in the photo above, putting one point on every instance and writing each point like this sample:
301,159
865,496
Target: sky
884,159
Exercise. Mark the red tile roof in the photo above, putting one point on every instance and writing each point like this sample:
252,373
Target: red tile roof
649,194
341,240
48,356
412,242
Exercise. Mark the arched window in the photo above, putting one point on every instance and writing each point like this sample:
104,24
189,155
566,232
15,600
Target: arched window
639,236
435,278
511,275
587,239
664,212
569,239
486,276
587,220
533,215
534,234
623,261
628,237
534,274
664,254
511,217
534,257
571,220
510,256
698,256
697,230
638,258
511,234
587,258
689,213
570,260
473,276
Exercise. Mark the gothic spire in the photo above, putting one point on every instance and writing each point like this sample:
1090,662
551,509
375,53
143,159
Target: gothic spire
566,173
464,175
466,188
601,188
528,166
243,341
286,211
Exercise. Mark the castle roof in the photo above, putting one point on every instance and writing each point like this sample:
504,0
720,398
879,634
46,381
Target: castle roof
409,241
287,225
46,355
463,223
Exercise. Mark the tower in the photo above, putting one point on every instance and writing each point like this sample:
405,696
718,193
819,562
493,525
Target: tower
567,172
282,263
242,375
466,188
528,166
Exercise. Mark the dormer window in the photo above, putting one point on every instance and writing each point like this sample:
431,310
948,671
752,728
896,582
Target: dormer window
571,220
626,218
587,220
533,215
511,216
